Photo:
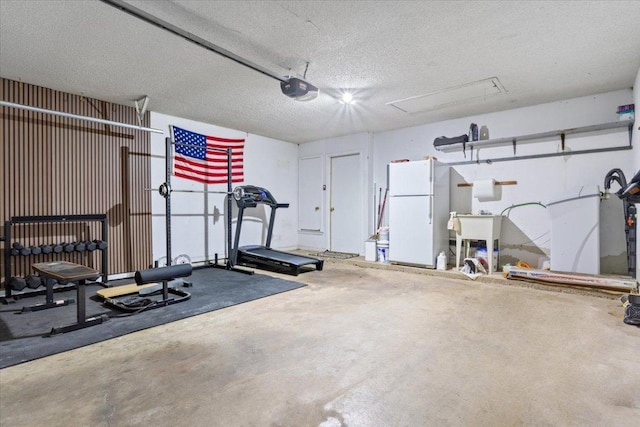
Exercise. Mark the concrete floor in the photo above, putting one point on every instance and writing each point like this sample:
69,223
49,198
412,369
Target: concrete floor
357,347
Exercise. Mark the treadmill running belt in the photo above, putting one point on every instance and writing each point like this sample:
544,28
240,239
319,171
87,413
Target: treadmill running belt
274,258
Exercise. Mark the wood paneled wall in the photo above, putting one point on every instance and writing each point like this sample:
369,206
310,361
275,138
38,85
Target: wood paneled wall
53,165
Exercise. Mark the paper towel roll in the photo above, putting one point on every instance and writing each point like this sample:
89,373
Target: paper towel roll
485,189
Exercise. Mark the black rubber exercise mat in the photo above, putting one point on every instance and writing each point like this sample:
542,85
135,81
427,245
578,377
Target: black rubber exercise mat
25,336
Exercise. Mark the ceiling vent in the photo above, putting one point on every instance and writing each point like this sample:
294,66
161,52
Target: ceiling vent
461,94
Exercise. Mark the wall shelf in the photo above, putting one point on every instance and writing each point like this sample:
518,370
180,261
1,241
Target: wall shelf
513,140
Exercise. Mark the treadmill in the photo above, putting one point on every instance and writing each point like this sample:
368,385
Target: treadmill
249,196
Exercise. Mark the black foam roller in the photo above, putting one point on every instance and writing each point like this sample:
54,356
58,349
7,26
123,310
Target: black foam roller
163,273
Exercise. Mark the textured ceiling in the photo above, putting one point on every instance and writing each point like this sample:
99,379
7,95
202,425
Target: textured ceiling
381,51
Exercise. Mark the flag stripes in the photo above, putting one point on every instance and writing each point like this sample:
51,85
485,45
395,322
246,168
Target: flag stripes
203,158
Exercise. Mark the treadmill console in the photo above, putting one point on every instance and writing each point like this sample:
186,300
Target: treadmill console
248,196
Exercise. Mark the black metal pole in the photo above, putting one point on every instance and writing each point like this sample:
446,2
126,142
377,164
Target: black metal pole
236,239
272,220
7,258
167,199
230,260
105,253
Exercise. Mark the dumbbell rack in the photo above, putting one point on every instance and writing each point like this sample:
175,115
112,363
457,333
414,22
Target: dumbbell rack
52,219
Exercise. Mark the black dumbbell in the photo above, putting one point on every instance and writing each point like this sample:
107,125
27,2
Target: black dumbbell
91,246
17,283
46,249
33,281
101,244
69,247
57,248
35,250
80,246
19,249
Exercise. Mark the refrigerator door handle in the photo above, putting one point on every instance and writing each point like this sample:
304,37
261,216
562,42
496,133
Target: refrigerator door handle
431,183
430,208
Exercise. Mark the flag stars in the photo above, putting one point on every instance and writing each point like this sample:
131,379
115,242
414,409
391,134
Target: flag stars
182,136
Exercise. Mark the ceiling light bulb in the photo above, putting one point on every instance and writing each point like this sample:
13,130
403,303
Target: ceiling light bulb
347,98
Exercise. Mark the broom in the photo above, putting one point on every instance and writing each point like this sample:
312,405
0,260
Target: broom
384,202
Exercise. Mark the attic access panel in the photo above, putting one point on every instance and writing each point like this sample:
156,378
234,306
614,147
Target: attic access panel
451,96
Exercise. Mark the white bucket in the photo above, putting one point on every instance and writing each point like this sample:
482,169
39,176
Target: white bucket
383,251
383,234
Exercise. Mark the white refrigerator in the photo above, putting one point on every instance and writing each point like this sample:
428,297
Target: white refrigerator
418,212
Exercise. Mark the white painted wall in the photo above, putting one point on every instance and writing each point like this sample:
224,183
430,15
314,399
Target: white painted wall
352,144
198,221
199,228
526,230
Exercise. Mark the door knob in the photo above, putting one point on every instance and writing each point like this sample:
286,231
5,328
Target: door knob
333,209
317,208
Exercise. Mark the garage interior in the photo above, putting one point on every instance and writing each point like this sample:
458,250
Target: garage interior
371,143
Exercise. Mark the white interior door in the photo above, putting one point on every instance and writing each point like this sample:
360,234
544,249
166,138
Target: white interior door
345,205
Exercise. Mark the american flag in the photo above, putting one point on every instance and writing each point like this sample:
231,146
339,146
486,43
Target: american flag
195,162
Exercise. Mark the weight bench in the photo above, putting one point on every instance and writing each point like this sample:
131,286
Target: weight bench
138,297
